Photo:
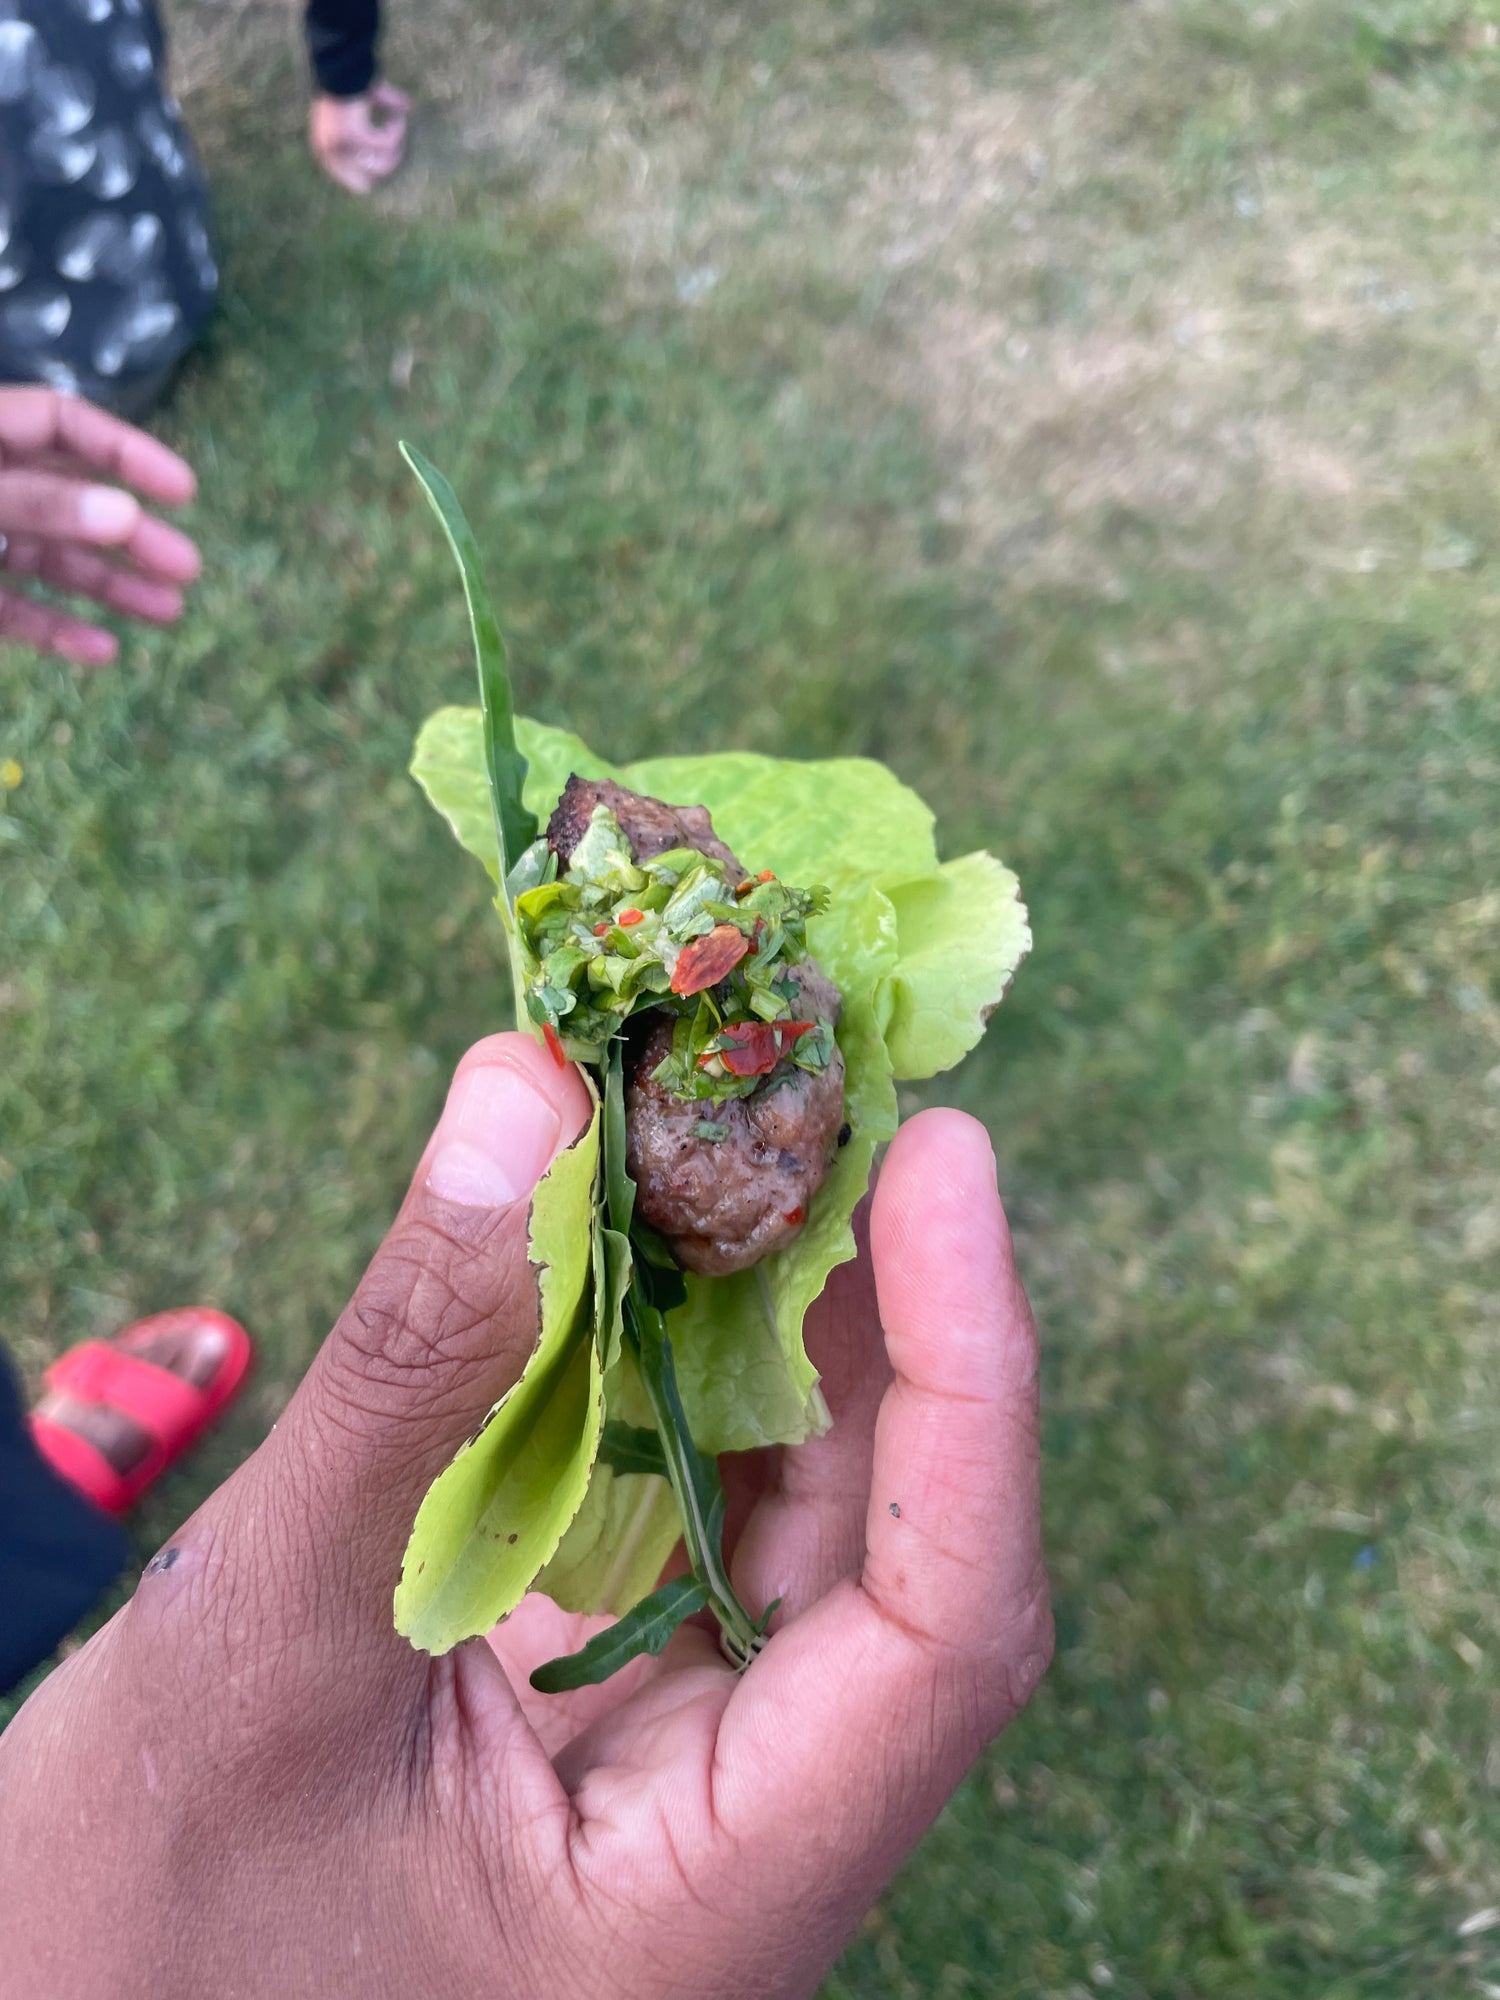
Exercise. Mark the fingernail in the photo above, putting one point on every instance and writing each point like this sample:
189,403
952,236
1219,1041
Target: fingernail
105,510
494,1141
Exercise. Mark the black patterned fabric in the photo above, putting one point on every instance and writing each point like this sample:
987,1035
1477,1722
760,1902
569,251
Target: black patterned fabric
107,274
57,1553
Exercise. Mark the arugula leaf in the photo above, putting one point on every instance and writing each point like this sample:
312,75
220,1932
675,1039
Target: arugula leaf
505,767
694,1474
614,1203
646,1629
612,1268
618,1184
657,1271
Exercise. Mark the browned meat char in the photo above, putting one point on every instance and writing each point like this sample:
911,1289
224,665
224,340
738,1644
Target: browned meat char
722,1204
651,827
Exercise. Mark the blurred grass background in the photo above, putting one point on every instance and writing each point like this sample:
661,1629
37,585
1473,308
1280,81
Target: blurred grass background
1091,411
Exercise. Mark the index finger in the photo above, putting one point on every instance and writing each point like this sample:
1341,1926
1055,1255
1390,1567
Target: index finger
863,1714
41,420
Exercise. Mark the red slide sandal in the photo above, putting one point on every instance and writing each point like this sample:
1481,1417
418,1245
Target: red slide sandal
164,1411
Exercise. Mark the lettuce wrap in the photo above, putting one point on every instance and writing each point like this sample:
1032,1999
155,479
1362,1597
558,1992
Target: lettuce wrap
583,1478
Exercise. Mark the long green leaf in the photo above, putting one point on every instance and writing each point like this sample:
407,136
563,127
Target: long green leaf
646,1629
612,1267
619,1187
515,826
694,1474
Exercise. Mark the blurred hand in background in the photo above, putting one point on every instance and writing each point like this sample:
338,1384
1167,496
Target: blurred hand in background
72,483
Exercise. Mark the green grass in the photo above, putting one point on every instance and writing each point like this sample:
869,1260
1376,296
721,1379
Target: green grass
1093,416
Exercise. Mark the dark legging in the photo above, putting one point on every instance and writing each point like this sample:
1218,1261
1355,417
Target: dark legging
58,1555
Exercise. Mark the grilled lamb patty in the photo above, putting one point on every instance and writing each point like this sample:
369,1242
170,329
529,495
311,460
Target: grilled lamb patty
651,827
722,1204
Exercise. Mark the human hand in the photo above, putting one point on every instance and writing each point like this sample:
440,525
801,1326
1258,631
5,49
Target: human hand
61,526
358,141
254,1786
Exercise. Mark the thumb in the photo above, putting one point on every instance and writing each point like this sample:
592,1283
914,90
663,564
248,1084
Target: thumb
444,1319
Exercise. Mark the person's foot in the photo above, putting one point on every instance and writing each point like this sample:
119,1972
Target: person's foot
193,1353
358,141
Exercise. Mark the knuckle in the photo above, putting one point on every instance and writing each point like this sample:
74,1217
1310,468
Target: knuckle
420,1305
428,1303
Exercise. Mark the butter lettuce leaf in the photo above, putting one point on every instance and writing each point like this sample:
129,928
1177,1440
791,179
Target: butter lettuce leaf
448,763
618,1545
960,935
497,1514
836,817
628,1525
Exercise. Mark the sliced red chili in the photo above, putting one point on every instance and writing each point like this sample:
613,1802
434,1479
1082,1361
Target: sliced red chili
794,1215
600,929
704,961
628,917
554,1042
755,1047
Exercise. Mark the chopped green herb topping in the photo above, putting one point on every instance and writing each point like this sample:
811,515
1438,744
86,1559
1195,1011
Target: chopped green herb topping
612,937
